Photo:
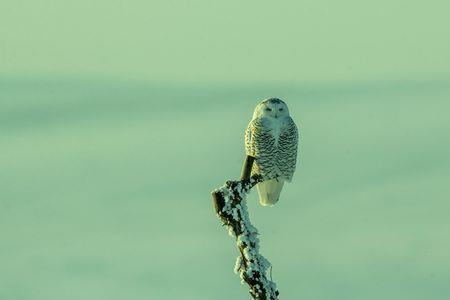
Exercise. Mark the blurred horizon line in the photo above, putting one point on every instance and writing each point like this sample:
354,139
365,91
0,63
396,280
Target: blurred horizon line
431,81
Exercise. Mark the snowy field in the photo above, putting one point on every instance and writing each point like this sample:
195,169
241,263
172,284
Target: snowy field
105,191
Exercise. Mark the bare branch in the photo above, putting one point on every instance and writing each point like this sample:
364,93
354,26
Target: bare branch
247,167
230,206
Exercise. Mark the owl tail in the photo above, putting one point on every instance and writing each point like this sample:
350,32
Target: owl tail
269,191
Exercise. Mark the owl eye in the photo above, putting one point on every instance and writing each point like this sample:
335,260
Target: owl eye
281,109
268,109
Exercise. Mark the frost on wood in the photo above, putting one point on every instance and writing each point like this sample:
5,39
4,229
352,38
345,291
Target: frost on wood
230,206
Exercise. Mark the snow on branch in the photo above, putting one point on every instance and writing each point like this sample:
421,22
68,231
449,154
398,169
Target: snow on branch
230,206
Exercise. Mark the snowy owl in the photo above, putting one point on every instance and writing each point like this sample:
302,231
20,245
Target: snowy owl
272,138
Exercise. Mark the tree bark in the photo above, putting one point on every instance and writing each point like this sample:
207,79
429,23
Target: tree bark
230,206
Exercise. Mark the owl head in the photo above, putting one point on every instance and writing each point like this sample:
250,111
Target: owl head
271,108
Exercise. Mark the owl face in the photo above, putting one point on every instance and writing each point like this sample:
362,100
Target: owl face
271,108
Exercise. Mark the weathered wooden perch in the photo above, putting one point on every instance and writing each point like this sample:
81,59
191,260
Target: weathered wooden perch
230,206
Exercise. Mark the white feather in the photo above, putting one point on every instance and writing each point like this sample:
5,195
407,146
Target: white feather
269,191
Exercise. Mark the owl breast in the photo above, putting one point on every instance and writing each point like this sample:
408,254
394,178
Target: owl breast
273,143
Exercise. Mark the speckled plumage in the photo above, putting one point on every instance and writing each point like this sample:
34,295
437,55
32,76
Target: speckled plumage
272,138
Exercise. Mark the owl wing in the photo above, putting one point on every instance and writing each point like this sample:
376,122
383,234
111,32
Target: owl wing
260,144
288,150
249,140
257,140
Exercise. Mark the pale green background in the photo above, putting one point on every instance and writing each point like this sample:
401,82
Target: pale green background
117,119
